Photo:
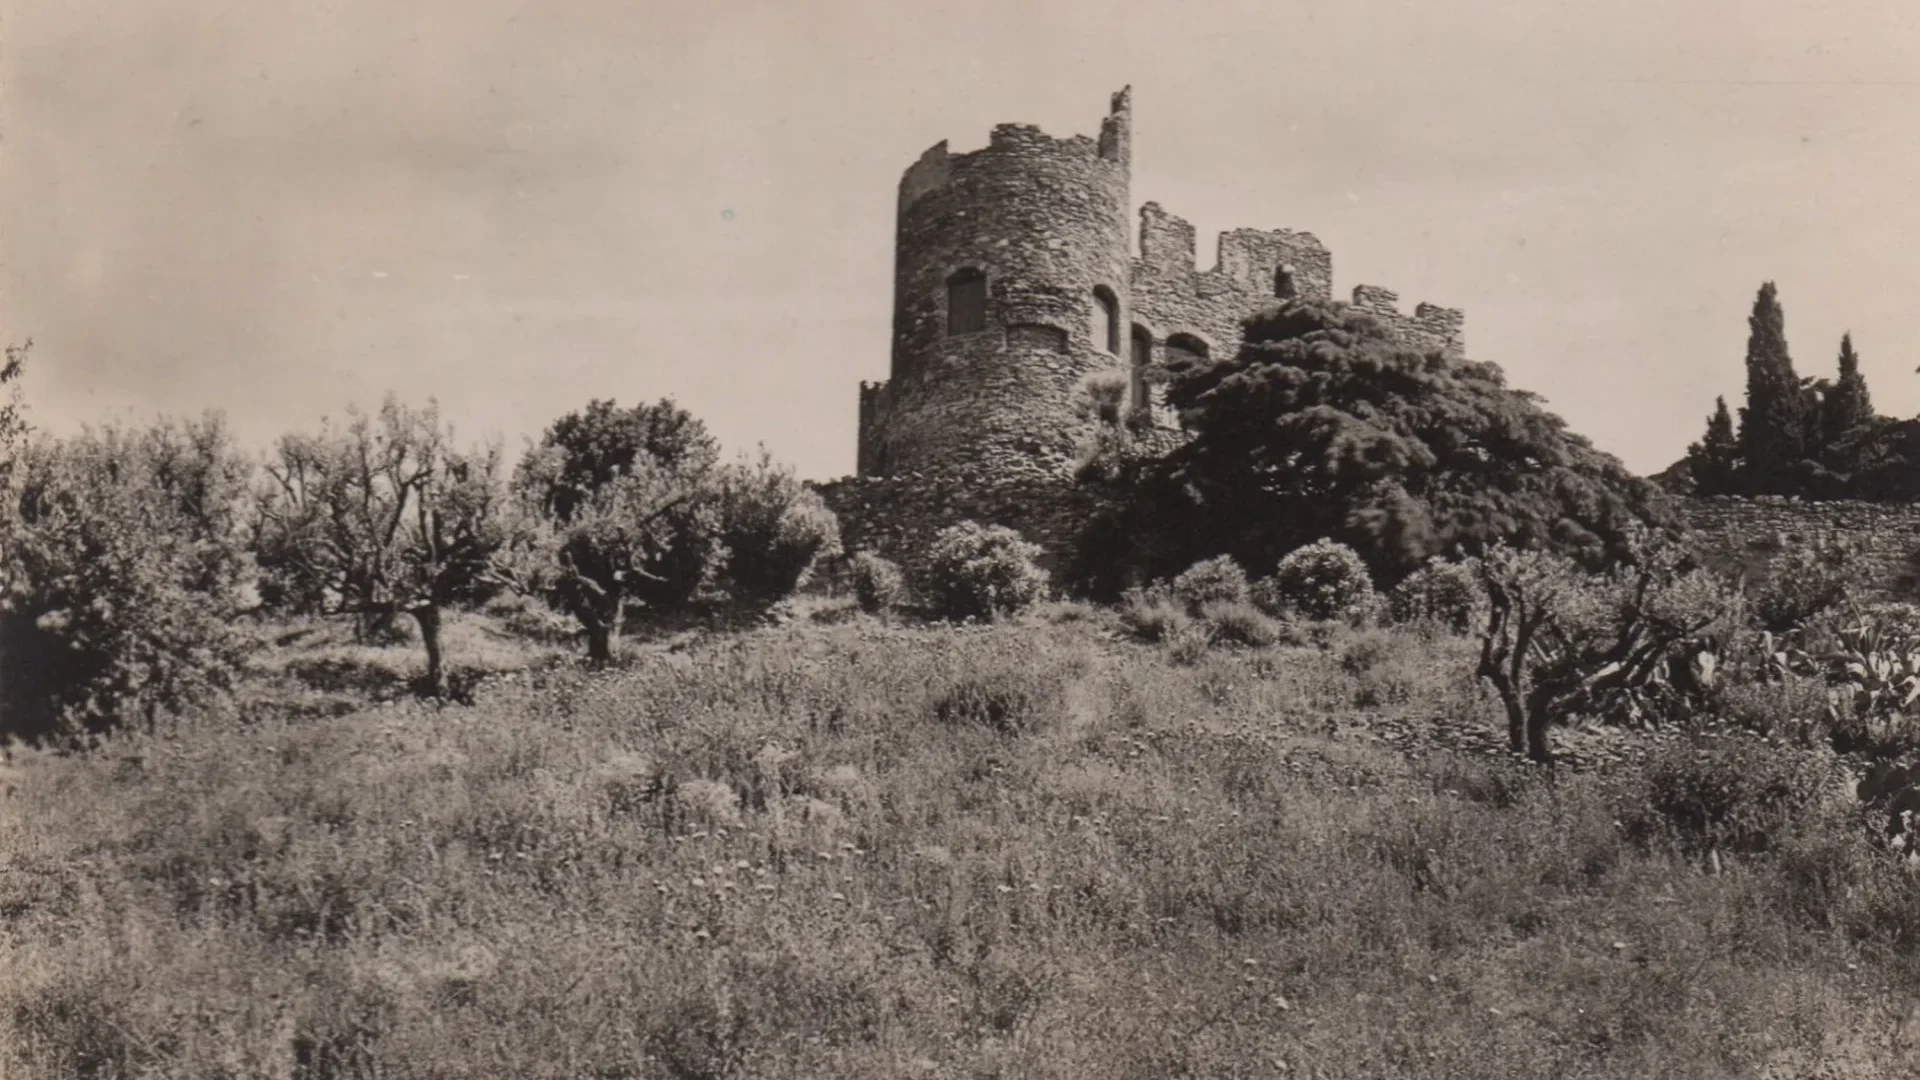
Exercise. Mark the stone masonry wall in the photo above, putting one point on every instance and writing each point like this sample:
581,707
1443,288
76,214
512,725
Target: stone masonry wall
1172,297
897,516
1749,534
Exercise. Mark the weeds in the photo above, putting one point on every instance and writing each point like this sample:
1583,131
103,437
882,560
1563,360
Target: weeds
871,851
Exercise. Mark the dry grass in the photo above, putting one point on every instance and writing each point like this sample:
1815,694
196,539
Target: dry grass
870,851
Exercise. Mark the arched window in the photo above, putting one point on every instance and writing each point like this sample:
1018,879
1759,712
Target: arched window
1142,358
1106,319
1185,348
1283,286
966,301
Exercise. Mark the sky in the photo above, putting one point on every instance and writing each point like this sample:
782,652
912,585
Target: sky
276,210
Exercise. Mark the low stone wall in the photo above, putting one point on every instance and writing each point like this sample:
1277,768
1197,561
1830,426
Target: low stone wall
897,516
1750,533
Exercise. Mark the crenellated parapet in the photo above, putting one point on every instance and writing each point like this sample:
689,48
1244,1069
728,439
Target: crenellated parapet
1429,328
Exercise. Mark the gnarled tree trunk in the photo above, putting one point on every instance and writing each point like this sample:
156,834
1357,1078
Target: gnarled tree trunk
428,617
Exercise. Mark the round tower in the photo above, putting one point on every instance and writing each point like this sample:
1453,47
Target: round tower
1011,272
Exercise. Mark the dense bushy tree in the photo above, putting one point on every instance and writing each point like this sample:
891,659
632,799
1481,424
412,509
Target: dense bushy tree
602,441
1886,461
383,517
638,511
1324,424
648,536
123,568
627,517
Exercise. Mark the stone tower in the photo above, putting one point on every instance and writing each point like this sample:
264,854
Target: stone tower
1011,279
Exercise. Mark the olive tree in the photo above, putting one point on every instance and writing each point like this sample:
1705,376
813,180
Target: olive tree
382,517
1557,640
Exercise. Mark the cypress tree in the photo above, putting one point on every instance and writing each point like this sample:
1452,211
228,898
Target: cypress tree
1714,461
1773,423
1848,407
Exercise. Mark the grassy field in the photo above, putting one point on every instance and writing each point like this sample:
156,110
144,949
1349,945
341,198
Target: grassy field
861,850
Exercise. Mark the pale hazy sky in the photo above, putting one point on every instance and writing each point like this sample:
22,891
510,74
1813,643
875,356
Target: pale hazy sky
517,205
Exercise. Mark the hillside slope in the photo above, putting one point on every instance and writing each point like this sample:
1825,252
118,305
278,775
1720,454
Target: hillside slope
871,851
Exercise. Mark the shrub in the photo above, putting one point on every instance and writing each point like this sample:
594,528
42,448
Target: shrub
1104,398
1441,593
773,529
1215,580
121,565
525,617
1153,614
1384,671
878,584
1323,580
1265,595
1791,708
1189,643
1740,796
1805,582
1009,702
981,571
1240,623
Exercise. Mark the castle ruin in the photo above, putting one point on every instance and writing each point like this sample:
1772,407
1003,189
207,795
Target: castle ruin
1015,282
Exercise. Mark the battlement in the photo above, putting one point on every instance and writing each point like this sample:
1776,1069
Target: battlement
1257,261
1429,327
1377,301
933,171
1167,242
1017,145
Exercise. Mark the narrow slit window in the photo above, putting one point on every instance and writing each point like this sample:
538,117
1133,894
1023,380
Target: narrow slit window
966,302
1106,319
1283,286
1142,358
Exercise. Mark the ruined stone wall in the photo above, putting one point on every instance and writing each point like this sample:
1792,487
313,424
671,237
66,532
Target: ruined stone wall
1254,270
1429,327
1750,533
1171,296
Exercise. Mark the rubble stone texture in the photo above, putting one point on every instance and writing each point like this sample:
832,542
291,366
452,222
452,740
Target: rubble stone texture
1747,534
